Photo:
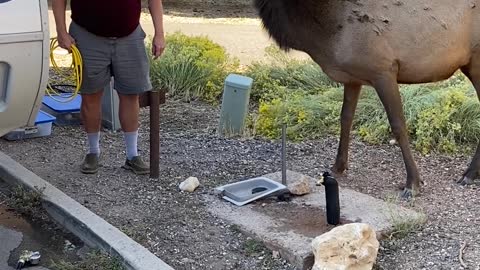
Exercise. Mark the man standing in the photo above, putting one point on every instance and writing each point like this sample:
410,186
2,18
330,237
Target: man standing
111,41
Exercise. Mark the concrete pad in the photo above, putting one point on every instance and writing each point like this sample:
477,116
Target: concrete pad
86,225
10,240
290,227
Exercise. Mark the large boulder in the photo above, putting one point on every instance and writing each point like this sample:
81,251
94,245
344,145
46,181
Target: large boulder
348,247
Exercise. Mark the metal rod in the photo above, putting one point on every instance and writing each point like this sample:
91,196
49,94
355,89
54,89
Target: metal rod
284,154
154,100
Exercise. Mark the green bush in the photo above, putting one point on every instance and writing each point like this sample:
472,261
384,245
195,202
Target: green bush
306,116
282,73
94,260
442,116
441,123
192,68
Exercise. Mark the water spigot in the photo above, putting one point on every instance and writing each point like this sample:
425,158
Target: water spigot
332,197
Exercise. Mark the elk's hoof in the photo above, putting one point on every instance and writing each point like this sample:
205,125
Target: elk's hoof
465,181
338,171
407,194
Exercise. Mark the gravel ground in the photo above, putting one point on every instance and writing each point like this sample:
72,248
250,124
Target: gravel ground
177,227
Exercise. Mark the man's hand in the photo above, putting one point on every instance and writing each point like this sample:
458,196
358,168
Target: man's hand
65,41
158,46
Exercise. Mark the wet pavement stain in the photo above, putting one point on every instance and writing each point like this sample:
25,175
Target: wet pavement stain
302,219
18,233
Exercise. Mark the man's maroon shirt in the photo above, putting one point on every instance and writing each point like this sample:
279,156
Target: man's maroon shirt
107,18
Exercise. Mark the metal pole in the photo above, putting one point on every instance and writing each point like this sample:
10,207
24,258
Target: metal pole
285,196
154,97
284,154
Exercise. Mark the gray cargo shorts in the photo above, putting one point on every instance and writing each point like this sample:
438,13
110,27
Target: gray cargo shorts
123,58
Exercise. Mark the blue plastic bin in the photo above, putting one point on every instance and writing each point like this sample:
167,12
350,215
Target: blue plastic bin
42,128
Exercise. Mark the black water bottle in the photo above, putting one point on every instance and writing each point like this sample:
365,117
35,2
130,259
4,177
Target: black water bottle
332,197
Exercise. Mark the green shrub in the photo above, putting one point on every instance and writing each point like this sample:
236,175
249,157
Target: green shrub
94,260
27,202
281,73
306,116
442,116
192,68
436,125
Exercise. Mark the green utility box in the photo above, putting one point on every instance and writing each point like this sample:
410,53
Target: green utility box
236,97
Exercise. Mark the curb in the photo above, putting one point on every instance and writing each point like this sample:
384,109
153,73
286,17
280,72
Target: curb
93,230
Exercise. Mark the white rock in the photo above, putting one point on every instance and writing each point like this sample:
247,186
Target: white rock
187,260
393,142
300,186
347,247
190,184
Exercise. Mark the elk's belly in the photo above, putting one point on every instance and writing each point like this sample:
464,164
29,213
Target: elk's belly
432,68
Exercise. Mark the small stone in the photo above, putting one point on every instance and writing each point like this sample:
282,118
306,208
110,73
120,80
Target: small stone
352,246
187,260
190,184
393,142
300,187
69,246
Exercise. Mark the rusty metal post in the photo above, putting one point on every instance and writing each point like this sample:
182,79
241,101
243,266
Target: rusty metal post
154,98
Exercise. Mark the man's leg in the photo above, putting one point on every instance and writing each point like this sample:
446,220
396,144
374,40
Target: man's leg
129,113
91,114
131,72
96,55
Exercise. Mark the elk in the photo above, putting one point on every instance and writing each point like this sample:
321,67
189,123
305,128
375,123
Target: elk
382,43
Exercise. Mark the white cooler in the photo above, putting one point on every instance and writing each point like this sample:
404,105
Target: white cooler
24,62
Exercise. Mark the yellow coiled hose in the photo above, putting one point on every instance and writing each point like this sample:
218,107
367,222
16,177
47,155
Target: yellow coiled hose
74,73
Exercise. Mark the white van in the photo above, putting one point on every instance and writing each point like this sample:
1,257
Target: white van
24,62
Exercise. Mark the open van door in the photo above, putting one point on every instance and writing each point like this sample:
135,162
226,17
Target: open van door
24,50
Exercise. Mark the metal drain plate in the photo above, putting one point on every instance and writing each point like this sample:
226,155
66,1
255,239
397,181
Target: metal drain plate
247,191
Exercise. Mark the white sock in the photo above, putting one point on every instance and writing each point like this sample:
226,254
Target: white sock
93,143
131,144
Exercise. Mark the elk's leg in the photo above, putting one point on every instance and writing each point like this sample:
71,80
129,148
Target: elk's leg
473,171
388,91
350,101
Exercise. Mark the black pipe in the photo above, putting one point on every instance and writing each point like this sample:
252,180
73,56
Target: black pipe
332,197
